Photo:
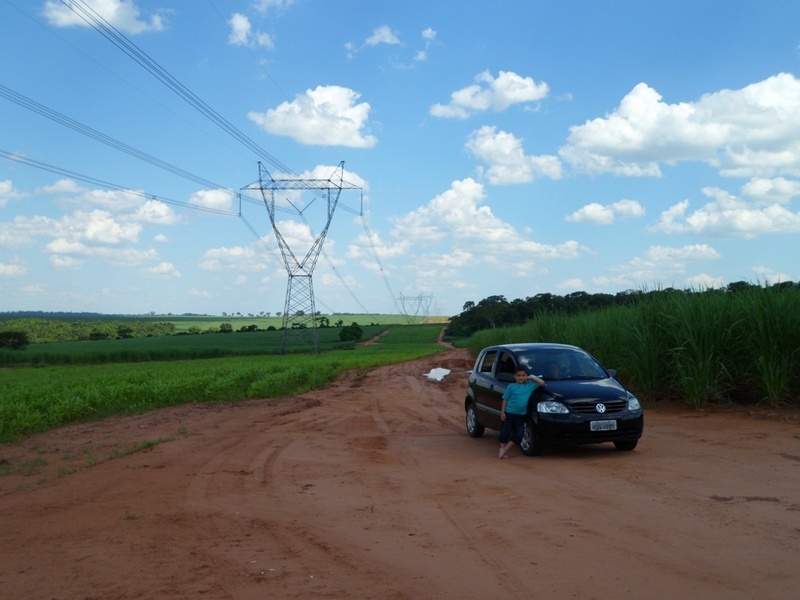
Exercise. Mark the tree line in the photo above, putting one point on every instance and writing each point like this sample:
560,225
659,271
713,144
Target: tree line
496,311
38,330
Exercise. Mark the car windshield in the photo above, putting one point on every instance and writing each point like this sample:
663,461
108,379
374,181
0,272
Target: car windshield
557,364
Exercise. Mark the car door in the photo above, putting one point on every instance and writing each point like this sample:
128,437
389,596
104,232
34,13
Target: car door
495,370
483,385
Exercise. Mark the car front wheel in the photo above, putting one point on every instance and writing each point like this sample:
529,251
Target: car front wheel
531,444
474,429
626,446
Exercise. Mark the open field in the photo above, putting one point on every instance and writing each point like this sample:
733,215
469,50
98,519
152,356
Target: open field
370,488
142,378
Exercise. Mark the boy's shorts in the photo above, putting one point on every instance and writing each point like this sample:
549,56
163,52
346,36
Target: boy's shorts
512,428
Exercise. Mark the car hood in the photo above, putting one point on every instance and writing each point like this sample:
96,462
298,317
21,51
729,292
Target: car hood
568,390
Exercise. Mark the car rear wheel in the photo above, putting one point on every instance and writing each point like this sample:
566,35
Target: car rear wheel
474,429
531,444
626,446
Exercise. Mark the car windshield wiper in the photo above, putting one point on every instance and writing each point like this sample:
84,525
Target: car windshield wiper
582,377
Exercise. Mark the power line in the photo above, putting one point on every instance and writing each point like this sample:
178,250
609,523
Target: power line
97,22
105,184
62,119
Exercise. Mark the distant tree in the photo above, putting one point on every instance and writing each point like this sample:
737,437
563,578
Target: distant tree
351,333
225,328
14,340
125,331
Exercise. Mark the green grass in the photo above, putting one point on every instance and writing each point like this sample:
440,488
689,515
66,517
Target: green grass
171,347
37,399
713,347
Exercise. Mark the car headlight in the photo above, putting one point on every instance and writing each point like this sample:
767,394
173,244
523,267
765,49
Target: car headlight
633,403
552,407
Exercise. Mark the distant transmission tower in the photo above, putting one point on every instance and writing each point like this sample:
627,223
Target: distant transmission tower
413,306
300,314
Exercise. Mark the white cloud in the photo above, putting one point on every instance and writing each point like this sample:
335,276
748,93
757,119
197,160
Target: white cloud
121,14
264,6
662,262
382,35
164,270
727,216
457,216
15,268
507,161
70,253
770,276
236,258
769,191
242,33
751,132
219,199
599,214
491,94
7,192
573,284
155,212
703,281
429,34
324,116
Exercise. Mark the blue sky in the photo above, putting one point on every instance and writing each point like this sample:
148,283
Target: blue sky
506,148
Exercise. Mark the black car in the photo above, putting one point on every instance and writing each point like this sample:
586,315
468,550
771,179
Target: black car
580,403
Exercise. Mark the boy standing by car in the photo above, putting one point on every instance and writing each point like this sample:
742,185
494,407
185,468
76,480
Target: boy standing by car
515,408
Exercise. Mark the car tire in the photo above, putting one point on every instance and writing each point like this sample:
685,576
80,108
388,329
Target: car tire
474,429
531,444
626,445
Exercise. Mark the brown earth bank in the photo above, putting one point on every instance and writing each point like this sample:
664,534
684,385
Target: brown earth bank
371,488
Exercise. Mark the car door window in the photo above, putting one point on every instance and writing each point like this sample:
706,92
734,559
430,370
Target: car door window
488,361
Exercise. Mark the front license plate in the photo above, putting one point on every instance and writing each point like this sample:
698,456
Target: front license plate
603,425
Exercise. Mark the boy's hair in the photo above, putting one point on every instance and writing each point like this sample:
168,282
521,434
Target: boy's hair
520,370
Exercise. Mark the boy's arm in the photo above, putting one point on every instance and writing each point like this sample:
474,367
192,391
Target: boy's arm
538,380
503,410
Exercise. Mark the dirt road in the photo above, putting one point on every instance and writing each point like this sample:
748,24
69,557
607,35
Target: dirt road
371,489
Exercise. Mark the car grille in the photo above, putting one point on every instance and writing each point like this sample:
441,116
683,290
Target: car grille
589,407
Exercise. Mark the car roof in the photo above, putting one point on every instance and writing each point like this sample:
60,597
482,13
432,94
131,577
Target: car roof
521,347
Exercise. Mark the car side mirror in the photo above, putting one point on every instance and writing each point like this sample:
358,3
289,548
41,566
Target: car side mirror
505,377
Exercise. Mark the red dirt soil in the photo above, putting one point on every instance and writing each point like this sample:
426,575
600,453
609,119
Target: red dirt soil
371,488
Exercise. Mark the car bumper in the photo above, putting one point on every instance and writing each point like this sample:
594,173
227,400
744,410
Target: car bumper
575,429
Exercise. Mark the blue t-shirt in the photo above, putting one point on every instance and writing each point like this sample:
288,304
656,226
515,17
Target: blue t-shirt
517,395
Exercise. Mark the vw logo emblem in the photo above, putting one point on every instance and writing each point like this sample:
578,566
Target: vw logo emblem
601,408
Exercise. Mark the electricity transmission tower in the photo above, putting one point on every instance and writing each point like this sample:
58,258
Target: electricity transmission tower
412,306
299,313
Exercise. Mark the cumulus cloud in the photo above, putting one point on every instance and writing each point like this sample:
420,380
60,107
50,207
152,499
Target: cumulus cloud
242,33
704,281
728,216
265,6
750,132
600,214
663,262
7,192
507,161
770,191
382,35
490,93
325,116
457,214
236,258
123,15
219,199
14,268
163,270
